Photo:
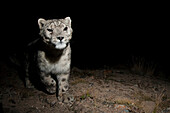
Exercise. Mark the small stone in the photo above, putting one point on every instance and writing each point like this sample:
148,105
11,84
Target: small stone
126,111
53,103
104,103
90,84
148,106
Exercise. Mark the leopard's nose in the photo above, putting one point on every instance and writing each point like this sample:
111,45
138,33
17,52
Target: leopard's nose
60,38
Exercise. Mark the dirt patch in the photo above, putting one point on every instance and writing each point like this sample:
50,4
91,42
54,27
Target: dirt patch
95,91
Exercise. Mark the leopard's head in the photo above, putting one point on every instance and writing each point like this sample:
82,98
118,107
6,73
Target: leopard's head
56,32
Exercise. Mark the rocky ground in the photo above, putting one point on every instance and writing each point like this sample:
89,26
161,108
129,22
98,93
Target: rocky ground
107,90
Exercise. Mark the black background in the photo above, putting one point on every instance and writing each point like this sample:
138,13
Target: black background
103,33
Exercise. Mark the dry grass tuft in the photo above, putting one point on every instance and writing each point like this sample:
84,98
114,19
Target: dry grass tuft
159,100
141,66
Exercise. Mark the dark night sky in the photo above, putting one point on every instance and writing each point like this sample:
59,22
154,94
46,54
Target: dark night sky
102,34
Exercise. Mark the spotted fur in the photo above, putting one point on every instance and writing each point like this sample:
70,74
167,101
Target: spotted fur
51,55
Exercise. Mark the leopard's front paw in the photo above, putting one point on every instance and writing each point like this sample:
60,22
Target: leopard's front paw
66,99
52,87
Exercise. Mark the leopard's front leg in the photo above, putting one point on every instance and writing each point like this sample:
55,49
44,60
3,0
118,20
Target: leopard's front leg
63,85
49,82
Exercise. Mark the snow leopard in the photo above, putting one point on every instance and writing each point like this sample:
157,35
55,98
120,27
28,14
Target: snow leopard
51,56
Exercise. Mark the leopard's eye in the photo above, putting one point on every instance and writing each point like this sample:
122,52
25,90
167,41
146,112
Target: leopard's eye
65,29
50,30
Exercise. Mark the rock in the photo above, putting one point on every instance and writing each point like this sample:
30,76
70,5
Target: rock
53,103
148,106
167,110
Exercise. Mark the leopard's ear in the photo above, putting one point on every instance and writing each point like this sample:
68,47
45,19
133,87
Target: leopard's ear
68,21
41,22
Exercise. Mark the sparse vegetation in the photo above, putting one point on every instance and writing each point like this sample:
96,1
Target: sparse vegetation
110,90
84,96
159,100
141,66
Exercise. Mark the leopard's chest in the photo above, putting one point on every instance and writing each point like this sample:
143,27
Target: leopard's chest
62,65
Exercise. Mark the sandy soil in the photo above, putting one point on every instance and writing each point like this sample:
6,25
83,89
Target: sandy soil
106,90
